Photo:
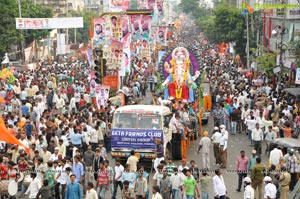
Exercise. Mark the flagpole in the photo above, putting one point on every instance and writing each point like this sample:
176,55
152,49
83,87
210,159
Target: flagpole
247,44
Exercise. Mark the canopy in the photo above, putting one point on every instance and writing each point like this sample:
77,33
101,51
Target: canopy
293,91
287,142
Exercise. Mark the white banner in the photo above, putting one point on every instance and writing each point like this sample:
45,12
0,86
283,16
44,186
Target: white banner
102,95
297,80
61,44
49,23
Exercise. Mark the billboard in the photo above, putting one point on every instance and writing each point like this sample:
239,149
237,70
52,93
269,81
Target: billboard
48,23
118,5
135,138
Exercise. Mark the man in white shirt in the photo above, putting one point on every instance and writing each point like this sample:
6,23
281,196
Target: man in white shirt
275,155
54,156
257,137
155,193
119,169
249,191
34,186
219,185
216,137
176,183
91,192
223,146
270,188
204,145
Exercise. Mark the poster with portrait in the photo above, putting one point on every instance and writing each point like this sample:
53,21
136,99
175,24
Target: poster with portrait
99,31
116,27
161,36
159,9
101,95
153,33
116,56
297,80
135,21
126,56
118,5
146,22
150,4
125,26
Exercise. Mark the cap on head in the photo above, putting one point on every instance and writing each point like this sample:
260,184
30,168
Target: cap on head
205,133
253,151
267,179
183,160
216,128
247,179
222,126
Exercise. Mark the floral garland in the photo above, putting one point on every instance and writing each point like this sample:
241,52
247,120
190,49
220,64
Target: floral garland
174,67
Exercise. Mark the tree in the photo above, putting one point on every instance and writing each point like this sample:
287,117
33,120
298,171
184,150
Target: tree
9,36
133,4
82,34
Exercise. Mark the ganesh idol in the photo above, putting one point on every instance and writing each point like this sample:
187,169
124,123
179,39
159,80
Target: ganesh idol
180,83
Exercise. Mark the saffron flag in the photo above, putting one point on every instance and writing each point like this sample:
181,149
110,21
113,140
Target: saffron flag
6,136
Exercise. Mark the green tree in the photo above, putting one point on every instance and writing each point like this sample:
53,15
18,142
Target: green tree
9,36
82,34
133,4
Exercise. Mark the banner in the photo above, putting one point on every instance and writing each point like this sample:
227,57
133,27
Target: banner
102,95
48,23
126,57
146,4
159,9
116,56
136,139
161,36
135,21
89,55
146,22
297,80
118,5
99,34
116,27
61,44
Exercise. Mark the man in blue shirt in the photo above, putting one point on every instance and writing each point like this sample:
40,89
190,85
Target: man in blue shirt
73,189
78,169
77,139
25,109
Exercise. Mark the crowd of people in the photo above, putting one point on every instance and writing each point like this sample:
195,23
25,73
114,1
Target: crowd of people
51,110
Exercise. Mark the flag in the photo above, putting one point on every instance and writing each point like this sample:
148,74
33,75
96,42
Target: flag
6,136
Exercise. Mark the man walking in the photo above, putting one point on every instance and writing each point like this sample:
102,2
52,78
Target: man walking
73,189
216,137
119,169
257,176
257,137
242,164
223,146
219,185
204,144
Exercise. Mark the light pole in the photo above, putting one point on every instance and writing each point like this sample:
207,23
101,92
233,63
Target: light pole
247,44
22,42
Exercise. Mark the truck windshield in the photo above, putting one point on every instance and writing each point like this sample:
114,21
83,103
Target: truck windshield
137,121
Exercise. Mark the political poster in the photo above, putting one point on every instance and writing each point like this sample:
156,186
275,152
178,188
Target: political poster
146,22
48,23
150,4
135,21
297,80
161,36
99,31
126,56
159,9
101,95
125,26
116,56
116,27
118,5
135,138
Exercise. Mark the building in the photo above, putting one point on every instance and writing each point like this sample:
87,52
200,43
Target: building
281,24
62,7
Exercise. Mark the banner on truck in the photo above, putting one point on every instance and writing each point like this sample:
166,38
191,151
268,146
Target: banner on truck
137,139
48,23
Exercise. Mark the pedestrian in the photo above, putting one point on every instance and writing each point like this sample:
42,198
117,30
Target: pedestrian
219,185
257,176
164,185
129,176
141,186
292,166
257,137
195,170
249,191
119,169
159,154
270,188
155,193
127,192
223,146
204,145
275,155
190,185
176,182
241,168
45,191
74,190
170,166
34,187
103,181
284,181
132,161
91,193
205,184
216,137
269,137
